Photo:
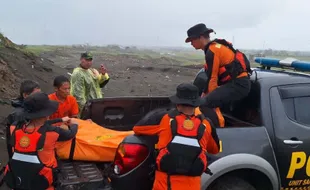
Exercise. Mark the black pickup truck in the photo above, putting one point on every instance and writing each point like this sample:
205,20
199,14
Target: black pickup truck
265,144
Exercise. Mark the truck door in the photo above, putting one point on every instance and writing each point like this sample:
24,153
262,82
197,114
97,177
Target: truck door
290,110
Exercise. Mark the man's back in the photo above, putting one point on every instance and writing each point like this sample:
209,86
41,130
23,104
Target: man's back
159,124
53,134
223,53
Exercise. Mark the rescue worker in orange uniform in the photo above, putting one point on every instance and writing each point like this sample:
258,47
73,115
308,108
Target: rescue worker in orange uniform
27,87
68,105
33,164
227,69
184,139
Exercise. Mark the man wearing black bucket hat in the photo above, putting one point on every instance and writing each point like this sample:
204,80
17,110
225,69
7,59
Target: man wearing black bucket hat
34,162
227,69
184,139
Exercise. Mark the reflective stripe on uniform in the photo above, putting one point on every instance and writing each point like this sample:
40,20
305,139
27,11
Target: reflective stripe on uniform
185,141
26,158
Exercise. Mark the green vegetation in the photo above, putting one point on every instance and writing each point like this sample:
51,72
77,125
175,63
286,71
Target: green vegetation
38,49
5,42
184,56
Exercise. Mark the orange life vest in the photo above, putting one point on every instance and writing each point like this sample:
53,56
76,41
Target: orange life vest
183,155
239,66
25,169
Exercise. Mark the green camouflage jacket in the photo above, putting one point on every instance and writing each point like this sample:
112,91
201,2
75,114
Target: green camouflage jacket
86,86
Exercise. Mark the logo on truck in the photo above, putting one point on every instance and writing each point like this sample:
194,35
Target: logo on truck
299,162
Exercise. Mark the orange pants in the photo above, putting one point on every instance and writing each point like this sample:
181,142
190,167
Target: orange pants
177,182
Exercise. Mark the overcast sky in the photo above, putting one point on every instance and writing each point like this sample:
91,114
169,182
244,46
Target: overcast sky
277,24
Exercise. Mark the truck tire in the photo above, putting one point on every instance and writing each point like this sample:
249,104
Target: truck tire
231,183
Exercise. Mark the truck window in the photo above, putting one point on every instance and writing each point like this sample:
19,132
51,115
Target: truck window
247,109
296,102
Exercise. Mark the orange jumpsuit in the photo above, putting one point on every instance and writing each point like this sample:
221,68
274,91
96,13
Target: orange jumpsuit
69,107
228,80
159,124
217,57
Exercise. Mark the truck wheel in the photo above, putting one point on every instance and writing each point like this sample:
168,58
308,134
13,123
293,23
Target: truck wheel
231,183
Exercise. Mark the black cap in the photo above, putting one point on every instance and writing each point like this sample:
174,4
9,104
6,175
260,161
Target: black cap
196,31
38,105
187,94
87,55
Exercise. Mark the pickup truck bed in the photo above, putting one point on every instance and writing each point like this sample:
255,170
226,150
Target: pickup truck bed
123,113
